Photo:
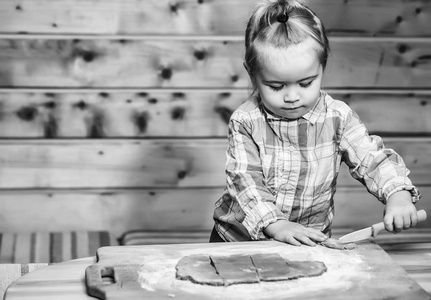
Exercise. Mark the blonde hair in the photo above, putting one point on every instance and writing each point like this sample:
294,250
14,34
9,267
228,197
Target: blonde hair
280,23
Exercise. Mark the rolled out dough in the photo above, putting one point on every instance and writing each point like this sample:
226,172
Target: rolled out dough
226,270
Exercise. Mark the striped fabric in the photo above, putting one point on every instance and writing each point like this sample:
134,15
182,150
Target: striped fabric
51,247
149,237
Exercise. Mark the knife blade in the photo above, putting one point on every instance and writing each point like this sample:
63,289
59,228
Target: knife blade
372,231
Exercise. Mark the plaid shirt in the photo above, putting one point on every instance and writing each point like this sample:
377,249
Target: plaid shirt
279,169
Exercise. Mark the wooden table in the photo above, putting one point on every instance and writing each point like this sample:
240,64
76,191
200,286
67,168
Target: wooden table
62,281
66,280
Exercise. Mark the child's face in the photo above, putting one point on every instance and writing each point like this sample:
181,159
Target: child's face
289,80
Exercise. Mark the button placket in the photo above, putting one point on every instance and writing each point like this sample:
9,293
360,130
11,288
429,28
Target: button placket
284,167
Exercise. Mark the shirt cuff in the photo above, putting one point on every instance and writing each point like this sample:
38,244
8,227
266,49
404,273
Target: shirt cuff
260,217
405,187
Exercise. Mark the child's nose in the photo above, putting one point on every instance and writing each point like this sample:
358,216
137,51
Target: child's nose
291,95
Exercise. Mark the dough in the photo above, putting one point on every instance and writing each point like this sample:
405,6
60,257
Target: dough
336,244
198,269
239,269
271,267
235,269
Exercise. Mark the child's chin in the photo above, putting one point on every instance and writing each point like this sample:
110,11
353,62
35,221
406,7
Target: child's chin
292,114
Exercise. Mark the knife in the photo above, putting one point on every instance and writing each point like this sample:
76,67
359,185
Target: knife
372,231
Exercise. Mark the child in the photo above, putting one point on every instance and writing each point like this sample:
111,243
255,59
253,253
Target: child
287,141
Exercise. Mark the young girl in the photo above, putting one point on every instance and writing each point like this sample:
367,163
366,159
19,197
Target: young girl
287,141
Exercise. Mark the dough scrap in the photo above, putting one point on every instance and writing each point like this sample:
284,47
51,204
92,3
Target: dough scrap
226,270
336,244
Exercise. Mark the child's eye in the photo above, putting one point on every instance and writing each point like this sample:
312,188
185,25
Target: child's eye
304,85
276,88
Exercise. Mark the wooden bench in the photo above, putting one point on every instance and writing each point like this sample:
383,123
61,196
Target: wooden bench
21,253
154,237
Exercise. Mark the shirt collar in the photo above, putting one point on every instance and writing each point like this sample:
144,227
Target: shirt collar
311,116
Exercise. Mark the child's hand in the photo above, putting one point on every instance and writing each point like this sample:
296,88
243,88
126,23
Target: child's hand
400,212
294,233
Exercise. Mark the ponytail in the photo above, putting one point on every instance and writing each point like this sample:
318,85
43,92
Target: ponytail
281,23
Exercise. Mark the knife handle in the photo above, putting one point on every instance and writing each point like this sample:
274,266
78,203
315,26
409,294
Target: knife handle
376,228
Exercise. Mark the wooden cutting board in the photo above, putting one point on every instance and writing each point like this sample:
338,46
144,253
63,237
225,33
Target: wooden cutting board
148,272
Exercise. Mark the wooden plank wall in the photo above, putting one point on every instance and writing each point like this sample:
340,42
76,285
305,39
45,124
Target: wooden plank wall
113,113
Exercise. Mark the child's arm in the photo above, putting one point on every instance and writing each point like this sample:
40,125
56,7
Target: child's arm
382,171
294,233
400,212
246,182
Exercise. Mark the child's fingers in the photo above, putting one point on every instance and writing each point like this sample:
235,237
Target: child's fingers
414,219
398,223
317,237
407,222
301,235
311,236
388,220
291,240
305,240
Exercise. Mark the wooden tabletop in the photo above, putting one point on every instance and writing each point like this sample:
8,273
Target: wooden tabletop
62,281
67,280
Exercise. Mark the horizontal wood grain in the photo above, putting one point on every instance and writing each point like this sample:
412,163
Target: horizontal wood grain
356,208
181,112
112,163
228,17
156,113
115,210
199,63
149,163
118,211
390,112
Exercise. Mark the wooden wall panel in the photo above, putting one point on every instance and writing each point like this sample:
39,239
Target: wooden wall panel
148,163
113,210
199,63
356,208
217,17
111,163
392,112
110,114
181,113
154,209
